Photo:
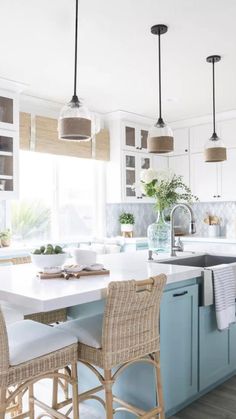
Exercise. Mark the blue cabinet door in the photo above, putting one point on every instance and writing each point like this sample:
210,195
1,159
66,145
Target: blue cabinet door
232,347
179,345
214,360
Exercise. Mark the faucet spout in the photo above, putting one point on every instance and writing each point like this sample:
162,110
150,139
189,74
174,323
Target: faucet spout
192,226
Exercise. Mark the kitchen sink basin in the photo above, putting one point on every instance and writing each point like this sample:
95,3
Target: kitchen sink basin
201,261
205,262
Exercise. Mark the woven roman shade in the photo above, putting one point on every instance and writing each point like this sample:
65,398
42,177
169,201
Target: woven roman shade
25,130
41,134
47,141
102,145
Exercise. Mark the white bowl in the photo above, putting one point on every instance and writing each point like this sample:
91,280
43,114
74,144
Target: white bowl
48,261
85,257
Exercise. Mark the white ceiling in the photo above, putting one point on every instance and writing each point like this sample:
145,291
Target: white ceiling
118,55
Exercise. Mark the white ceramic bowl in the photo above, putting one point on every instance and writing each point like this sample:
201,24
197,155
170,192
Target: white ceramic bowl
48,261
85,257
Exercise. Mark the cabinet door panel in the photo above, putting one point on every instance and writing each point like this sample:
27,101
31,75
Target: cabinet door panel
203,178
198,137
181,141
180,166
227,131
228,175
213,349
232,346
159,162
179,341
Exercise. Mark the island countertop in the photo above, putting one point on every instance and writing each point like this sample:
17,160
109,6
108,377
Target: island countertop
20,286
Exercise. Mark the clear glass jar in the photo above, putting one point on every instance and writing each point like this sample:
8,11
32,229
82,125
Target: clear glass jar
159,234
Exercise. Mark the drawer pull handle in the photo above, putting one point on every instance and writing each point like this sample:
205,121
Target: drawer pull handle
180,294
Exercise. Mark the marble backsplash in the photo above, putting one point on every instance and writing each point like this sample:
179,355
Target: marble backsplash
145,215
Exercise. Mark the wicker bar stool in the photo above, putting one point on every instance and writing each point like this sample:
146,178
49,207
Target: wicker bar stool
29,352
127,333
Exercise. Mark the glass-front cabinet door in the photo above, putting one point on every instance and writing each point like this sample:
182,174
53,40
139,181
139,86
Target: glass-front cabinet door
133,164
8,114
134,137
8,147
130,173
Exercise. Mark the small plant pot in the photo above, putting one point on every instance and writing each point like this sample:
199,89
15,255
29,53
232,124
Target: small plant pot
214,230
5,242
127,230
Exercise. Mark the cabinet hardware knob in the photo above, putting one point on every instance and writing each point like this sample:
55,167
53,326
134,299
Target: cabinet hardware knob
214,196
218,196
186,150
180,294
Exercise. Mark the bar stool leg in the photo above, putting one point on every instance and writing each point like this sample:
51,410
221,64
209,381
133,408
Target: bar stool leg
159,389
75,399
54,392
108,394
3,394
31,401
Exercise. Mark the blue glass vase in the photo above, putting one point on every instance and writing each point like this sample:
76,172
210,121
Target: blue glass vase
159,234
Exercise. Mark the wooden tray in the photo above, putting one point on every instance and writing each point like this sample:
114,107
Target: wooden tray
64,275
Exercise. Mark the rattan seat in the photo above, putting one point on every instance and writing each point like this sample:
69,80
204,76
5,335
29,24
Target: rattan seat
45,362
130,333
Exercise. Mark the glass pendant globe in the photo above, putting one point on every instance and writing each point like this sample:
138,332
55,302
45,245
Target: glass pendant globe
160,138
74,122
215,150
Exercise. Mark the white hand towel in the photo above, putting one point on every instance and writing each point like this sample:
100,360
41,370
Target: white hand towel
224,292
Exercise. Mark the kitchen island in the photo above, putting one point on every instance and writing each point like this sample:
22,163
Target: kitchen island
195,357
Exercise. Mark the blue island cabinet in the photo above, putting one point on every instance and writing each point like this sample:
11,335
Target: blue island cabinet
214,353
179,346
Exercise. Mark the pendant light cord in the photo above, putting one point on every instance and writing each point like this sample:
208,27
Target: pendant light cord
76,50
159,65
213,98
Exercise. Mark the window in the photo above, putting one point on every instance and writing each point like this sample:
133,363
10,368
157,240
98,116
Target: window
58,199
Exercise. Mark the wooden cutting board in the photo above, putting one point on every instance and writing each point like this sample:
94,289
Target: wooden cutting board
63,275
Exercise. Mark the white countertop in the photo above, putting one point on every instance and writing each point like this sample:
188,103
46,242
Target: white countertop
20,286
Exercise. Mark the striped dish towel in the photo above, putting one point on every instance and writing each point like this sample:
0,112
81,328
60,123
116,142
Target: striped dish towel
224,293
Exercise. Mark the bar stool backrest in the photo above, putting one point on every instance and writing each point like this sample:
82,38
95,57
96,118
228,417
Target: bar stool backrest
131,320
4,348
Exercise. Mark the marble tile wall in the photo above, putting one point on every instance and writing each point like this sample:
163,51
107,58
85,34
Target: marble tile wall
145,215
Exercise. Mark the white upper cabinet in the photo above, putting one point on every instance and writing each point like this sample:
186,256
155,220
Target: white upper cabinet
204,178
180,166
181,141
9,110
227,132
134,136
159,162
227,179
133,163
198,137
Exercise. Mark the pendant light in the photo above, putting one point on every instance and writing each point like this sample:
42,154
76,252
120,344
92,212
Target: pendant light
160,136
75,121
215,150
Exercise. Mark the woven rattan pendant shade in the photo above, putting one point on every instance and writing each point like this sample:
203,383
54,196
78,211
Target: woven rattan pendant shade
74,128
215,150
160,136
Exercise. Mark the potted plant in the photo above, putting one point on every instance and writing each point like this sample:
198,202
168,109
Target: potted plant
5,238
168,189
126,220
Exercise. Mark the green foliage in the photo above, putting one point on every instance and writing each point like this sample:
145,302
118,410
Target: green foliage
5,234
168,191
126,218
29,219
